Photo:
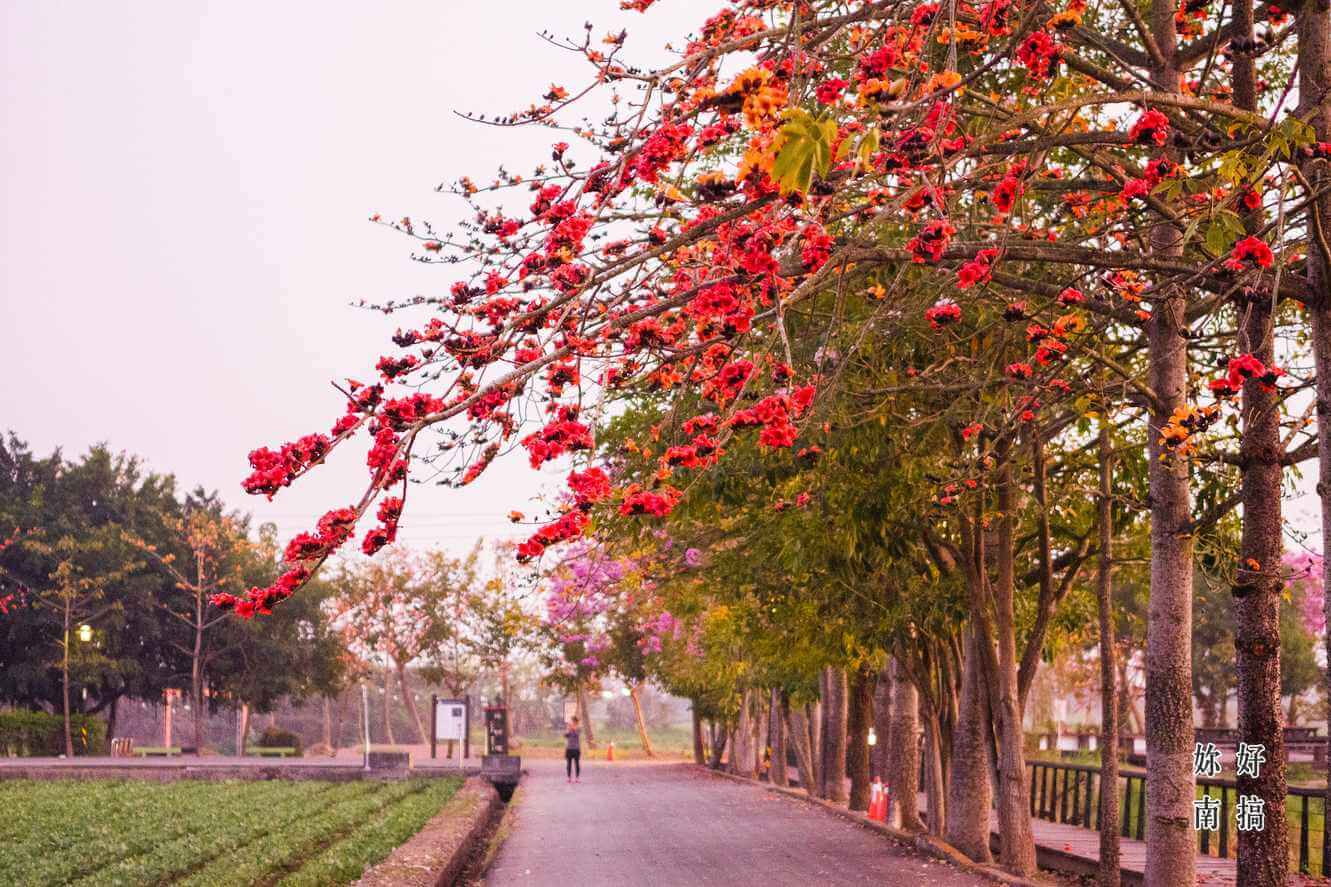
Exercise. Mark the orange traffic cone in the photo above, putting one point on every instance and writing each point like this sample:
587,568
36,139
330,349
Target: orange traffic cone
610,751
878,801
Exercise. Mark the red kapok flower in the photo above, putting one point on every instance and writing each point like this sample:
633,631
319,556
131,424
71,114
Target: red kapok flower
943,314
1250,252
1152,128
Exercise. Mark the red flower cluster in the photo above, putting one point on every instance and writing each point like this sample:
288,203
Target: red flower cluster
589,487
556,439
943,314
829,91
390,511
721,306
656,504
1007,192
383,459
1152,128
569,525
1250,252
1156,172
1020,371
1243,368
817,248
977,270
400,413
927,247
726,385
260,601
392,367
667,144
773,413
273,471
1039,53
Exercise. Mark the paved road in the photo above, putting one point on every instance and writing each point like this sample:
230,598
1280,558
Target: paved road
660,825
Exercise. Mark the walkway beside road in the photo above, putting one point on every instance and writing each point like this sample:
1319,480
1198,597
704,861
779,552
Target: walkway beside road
666,824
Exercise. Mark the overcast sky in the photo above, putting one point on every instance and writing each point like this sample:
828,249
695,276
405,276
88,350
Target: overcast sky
187,188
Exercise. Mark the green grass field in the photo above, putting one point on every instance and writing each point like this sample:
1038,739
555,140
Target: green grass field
673,742
112,832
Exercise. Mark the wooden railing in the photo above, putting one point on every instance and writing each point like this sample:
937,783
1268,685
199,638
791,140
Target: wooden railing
1070,794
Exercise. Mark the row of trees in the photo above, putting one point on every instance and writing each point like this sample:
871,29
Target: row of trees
106,588
937,328
106,578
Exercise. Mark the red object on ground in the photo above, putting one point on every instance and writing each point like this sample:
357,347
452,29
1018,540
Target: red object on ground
610,752
878,801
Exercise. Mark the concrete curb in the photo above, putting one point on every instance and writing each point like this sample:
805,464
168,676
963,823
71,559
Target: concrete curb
437,855
935,847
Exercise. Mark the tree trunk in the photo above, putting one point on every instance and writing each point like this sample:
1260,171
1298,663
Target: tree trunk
242,729
196,659
328,727
903,756
642,724
585,712
797,725
1016,840
777,730
409,700
112,716
1314,60
1171,842
64,682
859,716
760,719
969,791
1109,873
1263,854
935,792
699,756
1292,715
718,746
813,715
388,707
741,749
882,723
834,735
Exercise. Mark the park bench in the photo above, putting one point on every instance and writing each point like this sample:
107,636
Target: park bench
167,751
272,751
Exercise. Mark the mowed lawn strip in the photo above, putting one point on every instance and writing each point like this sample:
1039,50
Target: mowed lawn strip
63,830
281,849
231,819
370,843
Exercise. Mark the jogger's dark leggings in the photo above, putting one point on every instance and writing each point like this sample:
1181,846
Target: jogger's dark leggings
573,761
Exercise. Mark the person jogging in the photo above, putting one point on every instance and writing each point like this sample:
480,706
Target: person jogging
573,752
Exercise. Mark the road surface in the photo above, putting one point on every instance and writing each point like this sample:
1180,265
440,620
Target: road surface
660,825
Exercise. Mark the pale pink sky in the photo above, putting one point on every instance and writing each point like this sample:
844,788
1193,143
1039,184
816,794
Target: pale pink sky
187,187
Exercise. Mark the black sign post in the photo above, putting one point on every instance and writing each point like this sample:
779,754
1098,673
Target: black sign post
496,730
502,769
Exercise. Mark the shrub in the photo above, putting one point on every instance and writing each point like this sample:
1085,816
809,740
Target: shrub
276,737
37,733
